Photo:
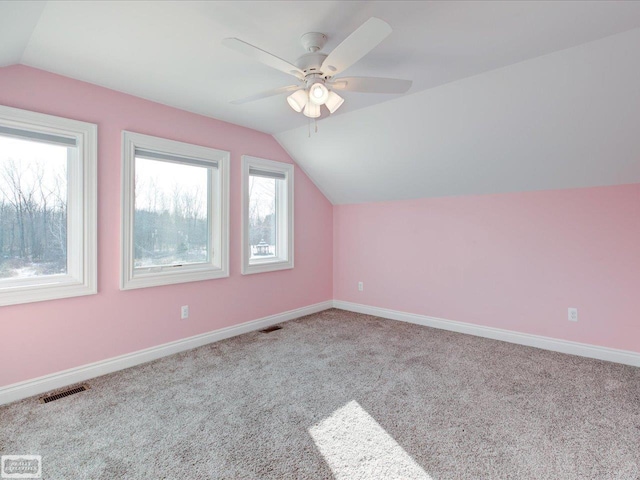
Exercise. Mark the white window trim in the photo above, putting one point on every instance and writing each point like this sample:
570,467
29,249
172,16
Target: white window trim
218,266
269,265
82,187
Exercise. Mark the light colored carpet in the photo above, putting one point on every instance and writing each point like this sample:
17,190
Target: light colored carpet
342,395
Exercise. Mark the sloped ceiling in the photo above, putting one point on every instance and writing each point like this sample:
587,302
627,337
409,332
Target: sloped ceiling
455,132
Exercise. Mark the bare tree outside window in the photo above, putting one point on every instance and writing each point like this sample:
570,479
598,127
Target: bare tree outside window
171,215
262,216
33,208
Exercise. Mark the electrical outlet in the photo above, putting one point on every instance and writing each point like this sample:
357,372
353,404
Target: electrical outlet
184,312
573,314
360,286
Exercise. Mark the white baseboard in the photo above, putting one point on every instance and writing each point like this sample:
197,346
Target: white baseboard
564,346
18,391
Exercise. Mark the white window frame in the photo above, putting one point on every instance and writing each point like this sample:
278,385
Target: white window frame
284,201
82,188
218,198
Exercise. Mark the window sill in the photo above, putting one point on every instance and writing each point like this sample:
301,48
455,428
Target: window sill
171,277
263,267
60,287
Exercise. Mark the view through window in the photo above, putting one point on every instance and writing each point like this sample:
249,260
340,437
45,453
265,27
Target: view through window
33,207
171,213
263,235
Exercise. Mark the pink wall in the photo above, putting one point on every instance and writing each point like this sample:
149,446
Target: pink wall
46,337
513,261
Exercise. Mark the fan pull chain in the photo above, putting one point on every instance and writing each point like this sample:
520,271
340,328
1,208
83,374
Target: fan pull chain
315,126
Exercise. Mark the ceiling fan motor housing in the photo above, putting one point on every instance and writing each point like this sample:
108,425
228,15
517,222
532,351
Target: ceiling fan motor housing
310,63
313,41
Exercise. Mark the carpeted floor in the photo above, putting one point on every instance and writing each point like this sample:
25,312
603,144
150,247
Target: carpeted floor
342,395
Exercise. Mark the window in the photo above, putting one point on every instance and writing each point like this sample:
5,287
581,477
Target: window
174,212
267,215
47,207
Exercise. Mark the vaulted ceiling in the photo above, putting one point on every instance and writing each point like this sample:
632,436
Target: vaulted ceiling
506,96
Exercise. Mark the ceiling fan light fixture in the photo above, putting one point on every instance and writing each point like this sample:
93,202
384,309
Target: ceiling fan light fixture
315,70
298,100
334,101
318,93
312,110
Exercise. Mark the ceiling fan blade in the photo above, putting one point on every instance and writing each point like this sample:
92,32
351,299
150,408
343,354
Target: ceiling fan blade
356,46
371,85
268,93
263,57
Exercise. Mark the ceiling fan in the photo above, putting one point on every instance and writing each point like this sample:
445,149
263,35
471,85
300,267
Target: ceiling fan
316,71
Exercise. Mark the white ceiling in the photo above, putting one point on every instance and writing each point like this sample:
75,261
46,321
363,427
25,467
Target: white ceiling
564,120
171,52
